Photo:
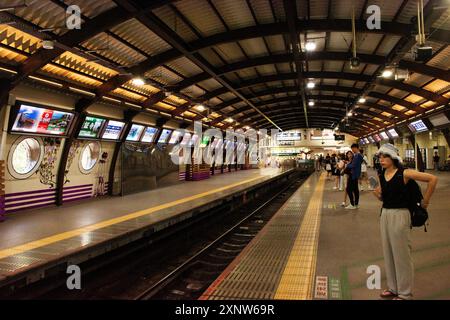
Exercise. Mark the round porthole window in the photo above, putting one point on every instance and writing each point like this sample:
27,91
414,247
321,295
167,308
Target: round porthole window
25,157
89,157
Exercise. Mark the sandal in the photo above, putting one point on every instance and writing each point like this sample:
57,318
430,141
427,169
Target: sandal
388,294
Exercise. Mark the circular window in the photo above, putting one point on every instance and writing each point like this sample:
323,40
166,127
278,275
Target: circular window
25,157
89,157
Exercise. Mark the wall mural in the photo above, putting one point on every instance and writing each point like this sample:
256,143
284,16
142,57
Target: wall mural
46,170
74,150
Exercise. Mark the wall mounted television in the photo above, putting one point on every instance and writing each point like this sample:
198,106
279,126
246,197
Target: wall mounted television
384,135
135,132
417,126
33,119
165,135
113,130
393,133
92,127
149,135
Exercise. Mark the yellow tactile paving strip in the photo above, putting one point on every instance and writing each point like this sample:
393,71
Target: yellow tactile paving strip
298,277
77,232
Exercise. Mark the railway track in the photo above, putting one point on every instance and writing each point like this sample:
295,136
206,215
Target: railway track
177,264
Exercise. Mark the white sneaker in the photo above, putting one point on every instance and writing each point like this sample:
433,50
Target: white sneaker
343,204
350,207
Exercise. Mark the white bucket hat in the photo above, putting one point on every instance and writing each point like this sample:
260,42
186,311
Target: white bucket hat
390,150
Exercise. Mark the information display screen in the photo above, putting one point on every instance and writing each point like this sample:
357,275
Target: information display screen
371,140
92,127
289,136
393,133
339,137
164,136
113,130
32,119
149,135
135,132
417,126
186,138
205,141
376,137
175,137
366,141
384,135
439,120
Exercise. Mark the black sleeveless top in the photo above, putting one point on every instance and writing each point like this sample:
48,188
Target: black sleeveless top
394,192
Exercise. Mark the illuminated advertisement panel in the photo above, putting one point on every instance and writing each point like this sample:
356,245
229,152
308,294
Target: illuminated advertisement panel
113,130
417,126
91,127
135,132
164,136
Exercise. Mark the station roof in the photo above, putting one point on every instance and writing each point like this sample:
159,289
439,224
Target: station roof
243,60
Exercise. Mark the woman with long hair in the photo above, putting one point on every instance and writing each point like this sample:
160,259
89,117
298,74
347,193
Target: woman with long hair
395,221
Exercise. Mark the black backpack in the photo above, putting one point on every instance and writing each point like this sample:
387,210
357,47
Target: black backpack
419,215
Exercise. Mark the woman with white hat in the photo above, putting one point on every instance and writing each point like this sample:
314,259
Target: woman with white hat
395,221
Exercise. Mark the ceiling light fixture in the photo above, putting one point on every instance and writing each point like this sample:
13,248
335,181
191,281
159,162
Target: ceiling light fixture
138,81
311,103
310,85
200,108
362,100
350,114
387,73
310,46
48,44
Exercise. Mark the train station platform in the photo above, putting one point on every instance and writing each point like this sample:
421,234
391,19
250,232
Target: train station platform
31,243
315,249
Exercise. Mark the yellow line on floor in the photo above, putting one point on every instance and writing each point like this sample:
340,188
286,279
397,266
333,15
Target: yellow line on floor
73,233
298,276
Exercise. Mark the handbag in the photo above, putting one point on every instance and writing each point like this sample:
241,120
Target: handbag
419,216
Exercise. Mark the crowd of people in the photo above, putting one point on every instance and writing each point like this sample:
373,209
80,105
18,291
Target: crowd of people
349,172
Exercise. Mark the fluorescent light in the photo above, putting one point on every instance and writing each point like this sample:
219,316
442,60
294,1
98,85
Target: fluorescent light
362,100
8,70
46,81
349,114
310,46
387,73
311,103
138,81
200,108
310,85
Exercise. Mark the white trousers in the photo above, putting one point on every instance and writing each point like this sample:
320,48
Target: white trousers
395,236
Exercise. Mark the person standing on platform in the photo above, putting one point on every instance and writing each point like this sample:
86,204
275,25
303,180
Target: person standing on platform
436,159
353,182
364,178
328,166
395,221
346,175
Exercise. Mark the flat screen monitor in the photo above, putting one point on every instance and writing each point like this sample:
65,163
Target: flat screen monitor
165,135
339,137
92,127
186,138
113,130
31,119
205,141
366,141
376,137
135,132
417,126
439,120
149,135
393,133
384,135
194,140
175,138
361,141
371,140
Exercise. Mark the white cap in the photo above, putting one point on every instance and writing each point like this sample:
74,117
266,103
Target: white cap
390,150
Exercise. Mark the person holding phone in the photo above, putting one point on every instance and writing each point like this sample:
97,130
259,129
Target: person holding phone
395,220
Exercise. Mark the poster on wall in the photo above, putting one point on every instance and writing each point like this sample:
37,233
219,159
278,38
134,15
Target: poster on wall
384,135
91,127
175,137
149,135
113,130
36,120
417,126
135,132
393,133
